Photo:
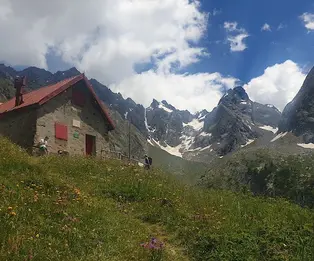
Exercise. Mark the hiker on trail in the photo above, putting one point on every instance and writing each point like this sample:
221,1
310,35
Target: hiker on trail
148,162
43,144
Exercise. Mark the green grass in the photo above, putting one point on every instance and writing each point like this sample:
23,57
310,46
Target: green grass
84,209
187,171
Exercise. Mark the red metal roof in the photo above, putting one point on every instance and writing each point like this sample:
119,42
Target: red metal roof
44,94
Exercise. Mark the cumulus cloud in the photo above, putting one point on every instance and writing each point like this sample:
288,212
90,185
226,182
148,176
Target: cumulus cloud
103,35
236,36
278,85
308,20
194,92
107,39
233,27
266,27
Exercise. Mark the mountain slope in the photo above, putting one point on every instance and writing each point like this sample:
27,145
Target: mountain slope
36,77
6,89
234,123
127,108
187,171
298,115
71,209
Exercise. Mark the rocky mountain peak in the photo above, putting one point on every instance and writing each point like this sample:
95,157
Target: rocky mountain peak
163,106
235,96
201,114
234,123
167,105
154,104
298,115
73,70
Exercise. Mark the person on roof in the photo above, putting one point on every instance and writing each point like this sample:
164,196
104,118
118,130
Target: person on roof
43,144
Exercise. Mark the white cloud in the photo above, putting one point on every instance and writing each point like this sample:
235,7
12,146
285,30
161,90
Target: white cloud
281,26
266,27
236,36
233,27
308,20
194,92
107,38
278,85
236,42
216,12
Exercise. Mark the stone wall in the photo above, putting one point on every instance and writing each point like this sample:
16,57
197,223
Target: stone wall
20,127
61,110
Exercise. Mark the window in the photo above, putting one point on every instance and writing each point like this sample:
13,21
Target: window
61,131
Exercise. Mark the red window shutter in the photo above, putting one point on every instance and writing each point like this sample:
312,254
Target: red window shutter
61,131
78,98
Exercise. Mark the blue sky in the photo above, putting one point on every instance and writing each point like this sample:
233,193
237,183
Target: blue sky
264,48
157,49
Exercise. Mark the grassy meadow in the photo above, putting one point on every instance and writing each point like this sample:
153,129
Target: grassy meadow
64,208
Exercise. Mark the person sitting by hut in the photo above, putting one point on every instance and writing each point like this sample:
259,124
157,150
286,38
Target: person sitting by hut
43,144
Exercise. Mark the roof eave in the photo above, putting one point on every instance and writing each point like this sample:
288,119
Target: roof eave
101,105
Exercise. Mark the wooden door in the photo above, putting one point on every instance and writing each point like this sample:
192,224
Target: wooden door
90,143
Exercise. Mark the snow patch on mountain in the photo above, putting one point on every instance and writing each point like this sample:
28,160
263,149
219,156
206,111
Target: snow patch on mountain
279,136
205,148
150,142
175,151
248,143
186,142
269,128
205,134
195,124
306,146
145,120
161,106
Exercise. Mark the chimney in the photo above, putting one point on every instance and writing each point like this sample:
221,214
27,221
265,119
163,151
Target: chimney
19,83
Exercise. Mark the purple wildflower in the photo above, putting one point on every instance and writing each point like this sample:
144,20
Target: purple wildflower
154,244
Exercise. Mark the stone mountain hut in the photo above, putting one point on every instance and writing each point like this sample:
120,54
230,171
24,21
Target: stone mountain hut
68,112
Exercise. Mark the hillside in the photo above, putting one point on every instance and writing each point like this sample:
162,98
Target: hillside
265,172
84,209
188,171
6,89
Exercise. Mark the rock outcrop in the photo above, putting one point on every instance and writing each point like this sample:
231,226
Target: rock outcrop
298,115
